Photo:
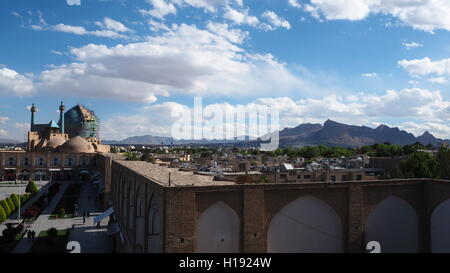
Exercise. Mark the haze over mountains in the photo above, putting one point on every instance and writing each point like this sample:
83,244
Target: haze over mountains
5,141
331,133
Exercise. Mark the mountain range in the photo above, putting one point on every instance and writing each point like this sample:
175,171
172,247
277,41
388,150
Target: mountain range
5,141
331,133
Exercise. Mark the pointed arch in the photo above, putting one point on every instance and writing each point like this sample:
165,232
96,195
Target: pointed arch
440,226
394,224
139,221
218,230
308,225
153,228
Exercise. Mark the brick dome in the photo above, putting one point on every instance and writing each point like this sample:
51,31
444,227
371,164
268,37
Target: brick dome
77,145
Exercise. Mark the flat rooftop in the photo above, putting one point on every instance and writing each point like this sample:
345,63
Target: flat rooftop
160,175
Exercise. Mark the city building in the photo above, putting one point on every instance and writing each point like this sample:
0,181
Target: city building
53,153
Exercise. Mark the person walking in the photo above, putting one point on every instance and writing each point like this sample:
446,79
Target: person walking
88,214
98,225
84,219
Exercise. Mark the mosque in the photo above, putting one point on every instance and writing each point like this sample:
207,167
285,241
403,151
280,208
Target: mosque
62,150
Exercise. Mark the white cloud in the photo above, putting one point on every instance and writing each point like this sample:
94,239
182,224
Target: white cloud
208,5
3,120
16,14
294,3
276,20
439,80
152,120
79,30
313,10
56,52
3,132
157,26
13,83
425,66
109,28
22,125
240,17
113,25
439,130
73,2
161,8
233,35
425,110
369,75
184,59
426,15
90,80
411,45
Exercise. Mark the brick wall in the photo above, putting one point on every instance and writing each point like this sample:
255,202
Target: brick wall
255,205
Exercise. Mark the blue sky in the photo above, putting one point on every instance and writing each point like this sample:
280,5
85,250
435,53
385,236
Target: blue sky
135,62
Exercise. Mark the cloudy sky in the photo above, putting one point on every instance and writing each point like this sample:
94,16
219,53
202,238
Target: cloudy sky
137,62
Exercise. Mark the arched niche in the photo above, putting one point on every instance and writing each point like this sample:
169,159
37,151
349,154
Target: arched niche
154,229
440,228
218,230
306,225
394,224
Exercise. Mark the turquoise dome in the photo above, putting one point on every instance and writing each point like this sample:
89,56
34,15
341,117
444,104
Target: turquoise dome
80,121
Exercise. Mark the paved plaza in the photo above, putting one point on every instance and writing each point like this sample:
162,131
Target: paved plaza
91,239
8,188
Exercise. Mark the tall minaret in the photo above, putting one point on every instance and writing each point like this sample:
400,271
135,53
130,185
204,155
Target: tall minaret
33,110
61,117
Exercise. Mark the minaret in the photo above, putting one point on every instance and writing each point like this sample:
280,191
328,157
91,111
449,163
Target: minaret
61,117
33,110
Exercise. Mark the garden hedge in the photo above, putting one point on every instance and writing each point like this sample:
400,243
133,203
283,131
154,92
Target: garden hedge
10,204
2,215
32,188
15,200
6,208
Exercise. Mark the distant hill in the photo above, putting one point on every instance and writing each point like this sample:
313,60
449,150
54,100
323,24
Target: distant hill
302,130
331,133
142,140
4,141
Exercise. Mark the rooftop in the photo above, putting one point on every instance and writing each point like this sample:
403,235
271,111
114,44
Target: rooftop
160,175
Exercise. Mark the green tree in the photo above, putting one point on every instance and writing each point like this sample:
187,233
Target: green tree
5,207
2,215
443,158
420,165
310,152
31,188
10,204
15,200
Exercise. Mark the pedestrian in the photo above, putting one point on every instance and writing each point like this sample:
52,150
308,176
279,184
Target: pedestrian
98,224
88,214
84,214
84,219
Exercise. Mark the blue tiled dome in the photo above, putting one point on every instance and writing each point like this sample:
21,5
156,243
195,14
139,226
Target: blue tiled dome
80,121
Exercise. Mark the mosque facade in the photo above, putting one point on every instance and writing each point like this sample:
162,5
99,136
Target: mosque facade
63,150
